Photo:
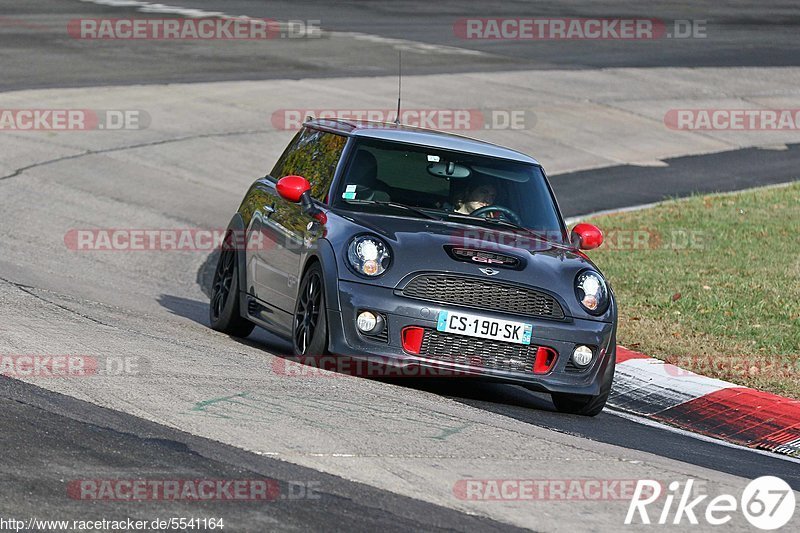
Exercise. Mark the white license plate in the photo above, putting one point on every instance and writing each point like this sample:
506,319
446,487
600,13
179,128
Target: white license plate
484,328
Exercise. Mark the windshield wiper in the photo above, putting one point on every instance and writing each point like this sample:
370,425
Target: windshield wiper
395,205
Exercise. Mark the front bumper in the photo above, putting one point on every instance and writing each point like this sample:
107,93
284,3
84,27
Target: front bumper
400,312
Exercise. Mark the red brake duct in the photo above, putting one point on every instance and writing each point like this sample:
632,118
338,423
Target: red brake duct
545,360
412,338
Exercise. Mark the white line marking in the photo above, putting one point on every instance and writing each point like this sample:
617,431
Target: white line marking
116,3
406,45
665,374
659,425
149,7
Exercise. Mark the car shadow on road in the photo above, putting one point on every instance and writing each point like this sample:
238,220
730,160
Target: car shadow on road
197,311
478,393
468,391
192,309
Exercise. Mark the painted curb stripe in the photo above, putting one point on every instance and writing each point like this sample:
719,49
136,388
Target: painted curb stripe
712,407
647,386
741,415
624,354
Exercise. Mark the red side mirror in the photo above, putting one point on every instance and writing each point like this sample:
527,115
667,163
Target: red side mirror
292,188
586,236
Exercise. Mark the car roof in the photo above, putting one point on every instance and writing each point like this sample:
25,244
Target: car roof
389,131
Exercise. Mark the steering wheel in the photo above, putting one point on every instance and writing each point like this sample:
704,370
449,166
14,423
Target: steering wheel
497,209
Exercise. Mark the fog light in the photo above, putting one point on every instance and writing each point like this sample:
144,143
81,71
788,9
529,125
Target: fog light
582,355
366,321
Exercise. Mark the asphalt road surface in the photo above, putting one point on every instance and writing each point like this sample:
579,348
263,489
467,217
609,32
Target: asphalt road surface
200,405
361,38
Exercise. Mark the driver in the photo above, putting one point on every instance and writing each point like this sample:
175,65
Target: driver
480,192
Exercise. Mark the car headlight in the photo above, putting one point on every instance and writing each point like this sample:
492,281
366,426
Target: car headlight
369,255
591,291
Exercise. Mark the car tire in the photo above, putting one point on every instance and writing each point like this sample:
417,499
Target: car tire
578,404
310,321
224,306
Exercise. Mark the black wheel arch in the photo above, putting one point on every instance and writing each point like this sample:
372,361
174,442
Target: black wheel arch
324,255
237,225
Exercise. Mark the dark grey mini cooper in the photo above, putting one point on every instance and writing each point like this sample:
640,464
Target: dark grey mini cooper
421,249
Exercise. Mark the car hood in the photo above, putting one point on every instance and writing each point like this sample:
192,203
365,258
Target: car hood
421,245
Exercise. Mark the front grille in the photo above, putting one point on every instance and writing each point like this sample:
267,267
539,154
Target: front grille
383,336
482,353
485,295
572,367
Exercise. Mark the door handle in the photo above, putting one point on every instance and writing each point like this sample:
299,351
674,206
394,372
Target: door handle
268,209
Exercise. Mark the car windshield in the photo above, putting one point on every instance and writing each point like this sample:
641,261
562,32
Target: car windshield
417,181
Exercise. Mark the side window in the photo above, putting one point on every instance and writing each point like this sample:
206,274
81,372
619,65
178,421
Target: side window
314,155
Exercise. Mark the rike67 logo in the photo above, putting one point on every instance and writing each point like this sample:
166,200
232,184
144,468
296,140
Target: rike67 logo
767,502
